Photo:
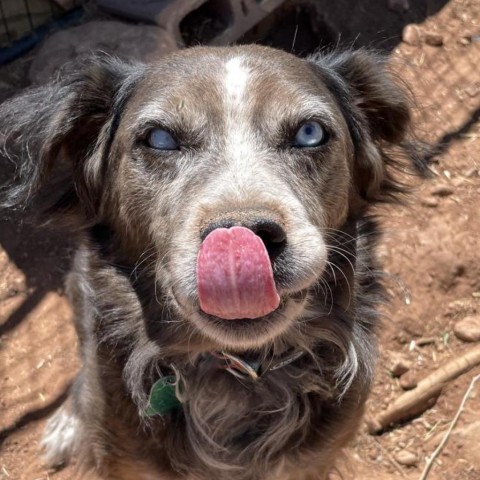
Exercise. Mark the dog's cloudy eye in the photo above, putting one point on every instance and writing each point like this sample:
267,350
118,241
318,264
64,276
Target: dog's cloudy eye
161,140
310,134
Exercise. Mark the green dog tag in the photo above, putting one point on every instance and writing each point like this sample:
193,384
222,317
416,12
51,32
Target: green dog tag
162,399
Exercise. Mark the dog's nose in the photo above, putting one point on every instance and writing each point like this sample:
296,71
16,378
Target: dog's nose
272,234
268,228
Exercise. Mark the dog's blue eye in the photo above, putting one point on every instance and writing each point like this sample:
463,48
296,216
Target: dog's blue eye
310,134
161,140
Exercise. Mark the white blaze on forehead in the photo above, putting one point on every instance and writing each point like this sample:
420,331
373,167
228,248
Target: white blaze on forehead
236,79
239,142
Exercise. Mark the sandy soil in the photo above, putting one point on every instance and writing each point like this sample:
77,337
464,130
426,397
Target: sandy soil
432,258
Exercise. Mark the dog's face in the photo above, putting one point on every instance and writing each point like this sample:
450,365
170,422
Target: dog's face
255,140
168,155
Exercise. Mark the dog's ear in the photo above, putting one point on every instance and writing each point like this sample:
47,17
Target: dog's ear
377,111
56,137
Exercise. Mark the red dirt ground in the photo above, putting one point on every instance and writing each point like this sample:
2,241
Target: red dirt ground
431,251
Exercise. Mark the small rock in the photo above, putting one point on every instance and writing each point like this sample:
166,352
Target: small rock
402,338
412,35
373,454
407,458
442,190
429,202
409,380
471,172
473,90
433,39
399,6
468,329
425,341
399,366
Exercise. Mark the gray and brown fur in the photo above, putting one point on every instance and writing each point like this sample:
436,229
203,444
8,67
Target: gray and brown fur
79,153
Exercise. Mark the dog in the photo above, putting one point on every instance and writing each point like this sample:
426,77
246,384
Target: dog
224,284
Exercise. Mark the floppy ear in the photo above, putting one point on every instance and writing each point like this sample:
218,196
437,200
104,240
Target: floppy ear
377,111
56,138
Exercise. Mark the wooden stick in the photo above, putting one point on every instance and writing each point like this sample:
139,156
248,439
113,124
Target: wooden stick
416,401
434,455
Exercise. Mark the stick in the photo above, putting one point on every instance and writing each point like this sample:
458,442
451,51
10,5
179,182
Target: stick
416,401
435,454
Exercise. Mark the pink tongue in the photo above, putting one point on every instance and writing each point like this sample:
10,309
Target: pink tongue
234,273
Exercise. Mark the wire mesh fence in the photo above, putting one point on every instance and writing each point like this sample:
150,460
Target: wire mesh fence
21,18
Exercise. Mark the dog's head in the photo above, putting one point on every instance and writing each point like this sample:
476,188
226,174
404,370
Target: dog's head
170,156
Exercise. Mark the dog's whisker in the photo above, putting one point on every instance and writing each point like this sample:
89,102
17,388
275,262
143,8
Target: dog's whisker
344,254
141,259
350,292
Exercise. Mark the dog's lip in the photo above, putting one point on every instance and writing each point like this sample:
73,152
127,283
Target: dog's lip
239,322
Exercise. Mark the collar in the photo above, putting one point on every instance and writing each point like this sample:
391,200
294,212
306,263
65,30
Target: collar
163,398
254,369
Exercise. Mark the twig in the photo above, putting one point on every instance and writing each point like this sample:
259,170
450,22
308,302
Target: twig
437,451
424,395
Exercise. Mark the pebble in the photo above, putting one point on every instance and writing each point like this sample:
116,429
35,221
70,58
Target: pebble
471,172
399,366
412,35
433,39
473,90
407,458
409,380
442,190
373,454
429,202
468,329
